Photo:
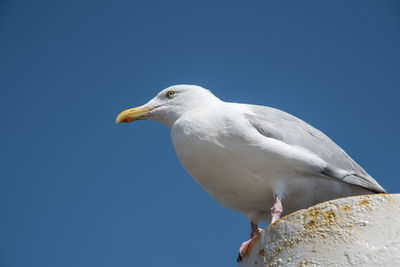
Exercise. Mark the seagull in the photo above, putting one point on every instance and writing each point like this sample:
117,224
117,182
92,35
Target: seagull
257,160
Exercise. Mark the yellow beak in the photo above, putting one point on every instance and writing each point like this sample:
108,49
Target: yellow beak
133,114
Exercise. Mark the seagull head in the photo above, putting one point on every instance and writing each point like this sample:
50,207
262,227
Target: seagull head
169,104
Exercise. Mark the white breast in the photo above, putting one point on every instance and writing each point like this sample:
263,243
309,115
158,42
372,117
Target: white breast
206,155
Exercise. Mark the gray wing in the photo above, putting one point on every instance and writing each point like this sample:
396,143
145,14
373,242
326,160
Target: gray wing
277,124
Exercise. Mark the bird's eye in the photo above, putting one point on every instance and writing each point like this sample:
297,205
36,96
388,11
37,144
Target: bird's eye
170,93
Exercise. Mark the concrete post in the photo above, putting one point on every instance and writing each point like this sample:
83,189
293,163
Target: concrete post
352,231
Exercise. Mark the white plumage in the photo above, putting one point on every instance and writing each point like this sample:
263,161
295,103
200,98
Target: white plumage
245,156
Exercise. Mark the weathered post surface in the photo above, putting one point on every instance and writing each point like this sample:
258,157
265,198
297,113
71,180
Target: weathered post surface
352,231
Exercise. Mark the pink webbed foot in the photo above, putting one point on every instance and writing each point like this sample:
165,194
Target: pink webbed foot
276,212
246,246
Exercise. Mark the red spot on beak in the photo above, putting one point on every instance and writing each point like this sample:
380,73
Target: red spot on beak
127,119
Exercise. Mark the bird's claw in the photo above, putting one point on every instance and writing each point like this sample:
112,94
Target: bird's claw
239,258
246,246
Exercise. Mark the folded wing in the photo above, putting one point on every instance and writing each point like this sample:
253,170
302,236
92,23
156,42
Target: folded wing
279,125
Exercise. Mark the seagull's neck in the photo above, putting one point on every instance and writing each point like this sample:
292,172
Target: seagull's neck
200,106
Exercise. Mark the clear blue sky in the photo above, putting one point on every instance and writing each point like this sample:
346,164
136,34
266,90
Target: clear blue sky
78,190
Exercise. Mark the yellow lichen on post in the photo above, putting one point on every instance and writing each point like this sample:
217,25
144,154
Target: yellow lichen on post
352,231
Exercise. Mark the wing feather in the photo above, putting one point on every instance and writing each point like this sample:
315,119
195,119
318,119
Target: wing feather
277,124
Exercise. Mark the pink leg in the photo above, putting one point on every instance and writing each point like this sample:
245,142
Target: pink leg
276,210
255,233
